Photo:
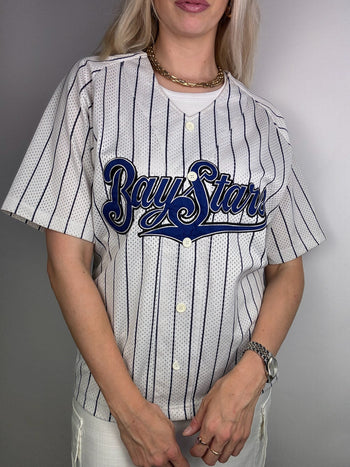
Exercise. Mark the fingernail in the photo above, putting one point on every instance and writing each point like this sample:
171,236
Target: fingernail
187,431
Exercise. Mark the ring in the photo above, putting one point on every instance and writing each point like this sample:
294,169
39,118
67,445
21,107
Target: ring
200,441
216,453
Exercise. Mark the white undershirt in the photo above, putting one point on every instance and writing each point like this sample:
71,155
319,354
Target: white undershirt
191,103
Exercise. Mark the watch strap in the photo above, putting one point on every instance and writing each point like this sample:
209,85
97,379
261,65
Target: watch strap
260,350
267,357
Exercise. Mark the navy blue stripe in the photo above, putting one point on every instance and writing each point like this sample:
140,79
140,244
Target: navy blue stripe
65,168
231,132
228,105
183,146
105,291
256,283
262,256
245,133
86,219
245,303
138,308
96,403
295,225
127,292
307,200
118,109
157,330
216,136
204,324
235,308
79,183
242,268
150,127
85,86
285,223
101,243
284,129
133,111
167,133
252,292
222,312
80,378
103,127
305,222
250,250
284,173
106,226
260,146
242,338
113,292
152,324
199,136
86,389
270,152
268,107
278,248
174,327
190,356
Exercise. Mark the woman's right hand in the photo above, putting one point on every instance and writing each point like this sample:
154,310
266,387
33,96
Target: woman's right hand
149,437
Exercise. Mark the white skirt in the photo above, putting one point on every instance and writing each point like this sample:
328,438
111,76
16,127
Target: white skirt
96,443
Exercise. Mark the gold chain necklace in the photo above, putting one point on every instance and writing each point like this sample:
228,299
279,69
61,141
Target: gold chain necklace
219,79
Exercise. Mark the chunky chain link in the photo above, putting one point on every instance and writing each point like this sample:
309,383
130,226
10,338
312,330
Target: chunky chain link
219,79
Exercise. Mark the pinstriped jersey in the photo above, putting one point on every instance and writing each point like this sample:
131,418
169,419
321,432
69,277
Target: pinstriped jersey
184,213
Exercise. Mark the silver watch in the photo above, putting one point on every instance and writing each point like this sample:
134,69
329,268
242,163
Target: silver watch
267,357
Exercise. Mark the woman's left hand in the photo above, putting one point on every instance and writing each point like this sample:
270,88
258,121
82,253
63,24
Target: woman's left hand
225,415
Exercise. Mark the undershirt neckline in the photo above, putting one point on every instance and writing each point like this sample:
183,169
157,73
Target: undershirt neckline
190,103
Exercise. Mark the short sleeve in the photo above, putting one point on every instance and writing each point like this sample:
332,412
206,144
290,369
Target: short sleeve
294,228
53,187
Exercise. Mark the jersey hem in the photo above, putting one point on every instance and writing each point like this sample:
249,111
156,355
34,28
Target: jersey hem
43,221
298,249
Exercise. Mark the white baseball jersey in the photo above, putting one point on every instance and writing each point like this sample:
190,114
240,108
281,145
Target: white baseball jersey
184,213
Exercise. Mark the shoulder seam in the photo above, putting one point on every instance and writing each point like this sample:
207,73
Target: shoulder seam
276,117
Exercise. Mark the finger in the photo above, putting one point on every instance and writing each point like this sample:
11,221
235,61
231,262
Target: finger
177,459
213,454
227,452
192,428
196,422
238,448
201,446
180,463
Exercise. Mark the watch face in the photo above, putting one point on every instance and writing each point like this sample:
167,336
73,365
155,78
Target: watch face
272,367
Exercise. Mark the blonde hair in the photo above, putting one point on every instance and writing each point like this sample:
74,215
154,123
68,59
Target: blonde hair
136,27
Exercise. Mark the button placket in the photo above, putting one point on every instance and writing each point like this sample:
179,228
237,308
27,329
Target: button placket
181,307
187,242
189,125
176,365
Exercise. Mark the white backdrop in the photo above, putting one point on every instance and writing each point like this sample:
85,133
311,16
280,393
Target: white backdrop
303,68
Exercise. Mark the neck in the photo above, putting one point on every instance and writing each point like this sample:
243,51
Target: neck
186,58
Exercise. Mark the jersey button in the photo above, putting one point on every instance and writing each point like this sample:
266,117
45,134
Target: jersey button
187,242
176,365
181,308
189,126
192,176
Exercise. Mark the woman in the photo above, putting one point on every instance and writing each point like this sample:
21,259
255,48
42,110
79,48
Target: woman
190,206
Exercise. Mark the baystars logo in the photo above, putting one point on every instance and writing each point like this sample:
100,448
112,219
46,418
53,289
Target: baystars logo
174,212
